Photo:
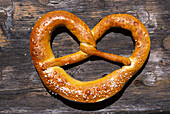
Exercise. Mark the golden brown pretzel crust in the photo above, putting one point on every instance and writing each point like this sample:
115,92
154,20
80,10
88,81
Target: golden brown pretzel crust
58,81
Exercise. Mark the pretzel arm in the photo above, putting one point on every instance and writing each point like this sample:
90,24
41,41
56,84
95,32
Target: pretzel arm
112,57
65,60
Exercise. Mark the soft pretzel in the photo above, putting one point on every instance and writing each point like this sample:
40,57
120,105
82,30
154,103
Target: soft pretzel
58,81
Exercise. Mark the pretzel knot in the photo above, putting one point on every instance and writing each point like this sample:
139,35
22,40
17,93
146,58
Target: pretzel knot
58,81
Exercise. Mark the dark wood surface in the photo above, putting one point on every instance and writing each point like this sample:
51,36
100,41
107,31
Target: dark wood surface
21,90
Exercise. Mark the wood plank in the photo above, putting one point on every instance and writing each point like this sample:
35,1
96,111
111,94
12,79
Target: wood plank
21,90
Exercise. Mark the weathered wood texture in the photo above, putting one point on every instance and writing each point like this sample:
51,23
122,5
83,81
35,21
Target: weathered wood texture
21,90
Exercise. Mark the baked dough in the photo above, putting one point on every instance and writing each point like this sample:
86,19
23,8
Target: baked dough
58,81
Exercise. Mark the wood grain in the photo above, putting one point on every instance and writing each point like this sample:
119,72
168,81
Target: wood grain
21,90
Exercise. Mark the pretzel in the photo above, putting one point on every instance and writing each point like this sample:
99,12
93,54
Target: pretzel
59,82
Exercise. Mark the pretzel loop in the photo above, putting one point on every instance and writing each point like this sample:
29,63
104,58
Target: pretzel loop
58,81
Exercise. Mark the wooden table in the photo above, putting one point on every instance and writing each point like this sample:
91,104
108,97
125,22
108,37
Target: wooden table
21,90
